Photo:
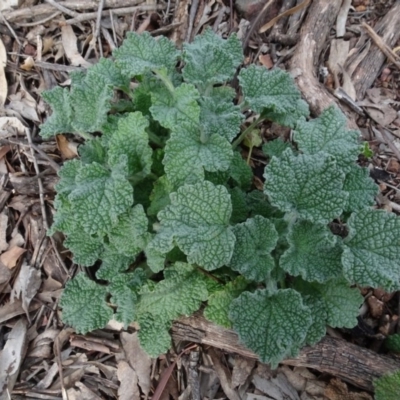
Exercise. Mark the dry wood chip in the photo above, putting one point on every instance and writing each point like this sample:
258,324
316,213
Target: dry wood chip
11,358
10,257
3,80
69,41
138,359
242,368
3,230
128,389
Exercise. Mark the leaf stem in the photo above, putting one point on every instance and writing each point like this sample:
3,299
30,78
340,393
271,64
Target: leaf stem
164,78
155,139
246,131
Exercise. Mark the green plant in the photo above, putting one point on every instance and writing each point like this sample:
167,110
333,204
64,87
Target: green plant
387,387
162,200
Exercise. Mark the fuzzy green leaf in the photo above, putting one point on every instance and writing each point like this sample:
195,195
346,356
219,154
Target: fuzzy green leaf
328,134
85,248
240,210
272,90
187,155
110,73
218,304
299,110
197,220
113,263
91,101
392,343
131,139
307,185
387,387
100,197
275,147
240,171
333,303
273,326
142,52
371,254
61,118
124,290
130,234
361,188
218,114
84,304
313,252
209,59
93,151
178,109
255,239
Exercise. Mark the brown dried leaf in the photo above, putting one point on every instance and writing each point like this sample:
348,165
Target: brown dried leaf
10,126
337,390
3,231
26,286
10,257
128,390
11,358
3,80
138,359
69,41
67,149
242,368
83,393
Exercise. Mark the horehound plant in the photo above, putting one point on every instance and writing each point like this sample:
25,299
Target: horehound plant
163,203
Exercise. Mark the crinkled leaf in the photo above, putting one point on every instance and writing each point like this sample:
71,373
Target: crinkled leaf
255,239
154,334
61,117
240,171
333,303
100,197
84,305
124,291
186,155
387,387
273,326
209,59
160,195
130,234
91,101
371,255
67,174
258,204
392,343
299,110
362,189
218,114
307,185
132,140
85,248
219,302
240,209
328,134
197,220
142,52
272,90
275,147
93,151
113,263
110,73
178,109
313,252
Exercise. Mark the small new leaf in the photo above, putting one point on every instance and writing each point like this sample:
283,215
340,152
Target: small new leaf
273,326
255,239
218,304
309,186
371,255
84,304
197,220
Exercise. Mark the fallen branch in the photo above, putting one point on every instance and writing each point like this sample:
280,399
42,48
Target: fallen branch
353,364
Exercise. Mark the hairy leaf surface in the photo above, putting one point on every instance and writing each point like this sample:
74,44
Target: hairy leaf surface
307,185
255,239
197,220
273,326
371,254
313,252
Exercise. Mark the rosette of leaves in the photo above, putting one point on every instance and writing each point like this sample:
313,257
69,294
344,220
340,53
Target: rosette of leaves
164,205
